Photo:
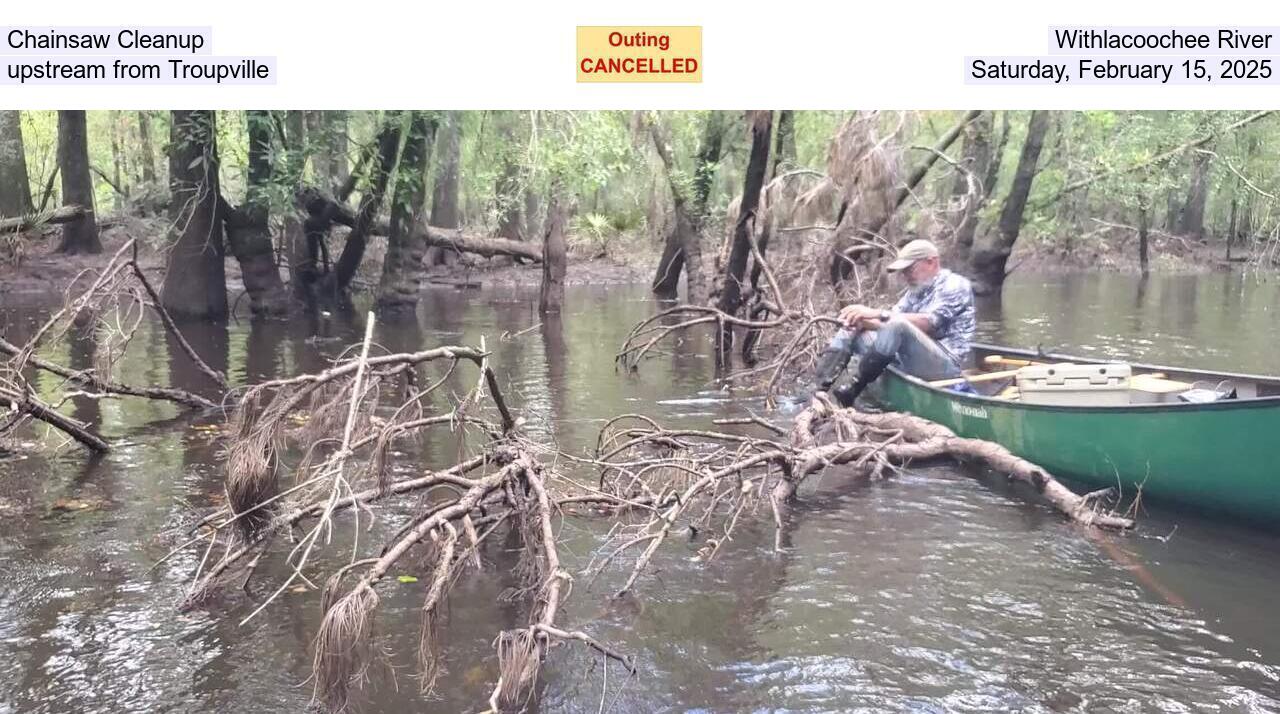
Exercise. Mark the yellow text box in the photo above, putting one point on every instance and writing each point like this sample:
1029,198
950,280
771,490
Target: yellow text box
631,53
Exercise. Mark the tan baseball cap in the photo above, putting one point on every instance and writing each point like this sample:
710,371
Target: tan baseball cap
908,254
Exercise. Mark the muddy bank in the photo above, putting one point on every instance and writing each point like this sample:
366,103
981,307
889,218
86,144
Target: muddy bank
40,273
37,271
581,271
1168,254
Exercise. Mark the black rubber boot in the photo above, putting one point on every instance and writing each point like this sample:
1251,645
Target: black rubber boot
870,367
831,363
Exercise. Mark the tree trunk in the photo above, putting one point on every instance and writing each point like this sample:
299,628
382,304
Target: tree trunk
666,282
339,165
977,159
997,156
1192,223
379,174
531,212
708,160
689,228
15,184
195,283
1171,212
303,269
444,197
1231,222
119,174
507,190
144,141
248,228
784,146
1143,220
1071,207
77,185
735,271
402,268
328,132
321,159
992,254
683,247
1242,218
551,299
655,214
48,189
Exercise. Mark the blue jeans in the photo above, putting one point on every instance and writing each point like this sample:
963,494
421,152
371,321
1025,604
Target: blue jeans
913,351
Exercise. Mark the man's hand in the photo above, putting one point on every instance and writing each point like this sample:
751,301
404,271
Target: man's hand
851,315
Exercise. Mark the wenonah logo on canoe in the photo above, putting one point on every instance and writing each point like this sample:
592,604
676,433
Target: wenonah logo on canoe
966,410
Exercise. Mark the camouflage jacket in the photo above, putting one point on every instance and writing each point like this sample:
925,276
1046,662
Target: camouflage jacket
948,301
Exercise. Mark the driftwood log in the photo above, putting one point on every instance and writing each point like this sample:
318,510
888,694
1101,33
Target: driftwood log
65,214
922,439
453,239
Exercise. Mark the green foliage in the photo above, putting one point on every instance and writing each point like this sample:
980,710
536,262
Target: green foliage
596,233
594,230
605,166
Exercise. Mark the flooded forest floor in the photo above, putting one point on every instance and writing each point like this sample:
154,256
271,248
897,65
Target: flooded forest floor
39,271
36,269
929,591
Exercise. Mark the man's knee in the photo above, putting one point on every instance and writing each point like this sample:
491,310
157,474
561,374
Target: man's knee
891,335
897,325
843,340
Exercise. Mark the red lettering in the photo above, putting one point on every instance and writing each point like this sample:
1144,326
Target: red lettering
639,65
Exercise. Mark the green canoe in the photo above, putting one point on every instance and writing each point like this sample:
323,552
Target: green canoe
1221,456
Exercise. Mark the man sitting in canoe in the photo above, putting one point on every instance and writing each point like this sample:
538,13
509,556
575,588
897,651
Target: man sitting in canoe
927,333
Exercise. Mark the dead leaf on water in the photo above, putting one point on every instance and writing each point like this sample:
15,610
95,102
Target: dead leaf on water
76,505
476,675
70,504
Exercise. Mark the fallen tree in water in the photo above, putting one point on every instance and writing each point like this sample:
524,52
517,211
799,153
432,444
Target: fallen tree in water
345,444
736,473
902,438
651,481
309,458
119,289
326,210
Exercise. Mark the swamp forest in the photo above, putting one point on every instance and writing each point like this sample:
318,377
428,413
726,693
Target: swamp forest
515,411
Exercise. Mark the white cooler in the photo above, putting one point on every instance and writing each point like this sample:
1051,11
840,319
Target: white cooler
1077,385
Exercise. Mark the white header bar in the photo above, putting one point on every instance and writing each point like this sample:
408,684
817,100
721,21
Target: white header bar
504,55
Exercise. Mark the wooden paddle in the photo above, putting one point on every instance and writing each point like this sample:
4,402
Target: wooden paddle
984,377
1007,361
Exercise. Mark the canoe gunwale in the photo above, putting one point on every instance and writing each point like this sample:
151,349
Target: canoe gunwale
1272,402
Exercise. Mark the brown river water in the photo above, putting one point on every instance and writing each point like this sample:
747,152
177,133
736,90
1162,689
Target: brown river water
934,591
